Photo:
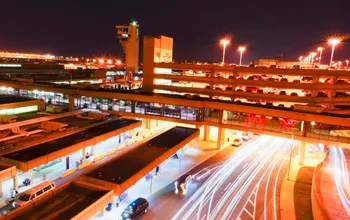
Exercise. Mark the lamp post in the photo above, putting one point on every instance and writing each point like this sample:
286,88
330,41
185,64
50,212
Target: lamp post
313,54
320,49
290,154
333,42
224,42
241,49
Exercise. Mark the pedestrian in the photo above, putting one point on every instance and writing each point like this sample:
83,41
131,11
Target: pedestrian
157,170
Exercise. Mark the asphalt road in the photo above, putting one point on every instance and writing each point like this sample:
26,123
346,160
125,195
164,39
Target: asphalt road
241,185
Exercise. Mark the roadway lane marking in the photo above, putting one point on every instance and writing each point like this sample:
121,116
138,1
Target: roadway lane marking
228,185
203,216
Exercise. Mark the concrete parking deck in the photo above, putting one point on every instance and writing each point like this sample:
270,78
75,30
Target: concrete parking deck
125,171
32,157
75,200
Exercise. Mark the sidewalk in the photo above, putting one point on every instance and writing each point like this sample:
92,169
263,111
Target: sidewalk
169,171
287,196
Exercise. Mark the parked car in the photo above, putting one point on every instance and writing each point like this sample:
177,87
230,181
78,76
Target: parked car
135,209
296,81
340,81
269,104
283,93
229,88
281,105
246,136
260,91
321,95
237,142
283,80
294,94
34,193
218,88
239,90
207,87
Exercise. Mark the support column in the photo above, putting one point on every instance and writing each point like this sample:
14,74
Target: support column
103,210
92,149
1,194
206,132
133,106
302,150
124,136
15,181
71,99
30,174
223,139
83,153
147,123
114,202
218,141
157,123
196,142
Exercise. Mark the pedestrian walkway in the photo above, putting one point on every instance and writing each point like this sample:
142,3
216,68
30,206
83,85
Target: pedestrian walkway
169,171
287,196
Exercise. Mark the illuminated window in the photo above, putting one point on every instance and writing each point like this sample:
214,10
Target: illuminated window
20,110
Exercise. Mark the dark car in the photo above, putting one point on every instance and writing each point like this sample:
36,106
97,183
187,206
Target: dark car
340,81
284,80
207,87
239,90
269,104
231,77
218,88
135,209
296,81
229,88
260,91
321,95
251,78
283,93
294,94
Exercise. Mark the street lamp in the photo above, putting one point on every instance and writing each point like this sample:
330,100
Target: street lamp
224,42
333,42
347,63
313,54
320,49
241,49
290,154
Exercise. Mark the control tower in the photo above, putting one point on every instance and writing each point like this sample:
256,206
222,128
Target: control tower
128,36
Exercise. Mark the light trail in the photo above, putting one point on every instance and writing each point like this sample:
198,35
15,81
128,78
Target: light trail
222,193
341,176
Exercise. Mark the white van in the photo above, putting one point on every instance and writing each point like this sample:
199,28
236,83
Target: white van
34,193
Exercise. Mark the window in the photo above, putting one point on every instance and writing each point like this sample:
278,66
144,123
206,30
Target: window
47,188
32,197
39,192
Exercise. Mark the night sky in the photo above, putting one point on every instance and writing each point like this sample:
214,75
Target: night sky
87,28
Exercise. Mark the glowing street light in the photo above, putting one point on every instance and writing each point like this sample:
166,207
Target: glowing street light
320,49
224,42
333,42
101,61
118,62
347,63
241,49
109,61
339,63
313,54
301,59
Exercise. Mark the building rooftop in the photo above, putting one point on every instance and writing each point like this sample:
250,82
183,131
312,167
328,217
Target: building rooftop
138,158
40,150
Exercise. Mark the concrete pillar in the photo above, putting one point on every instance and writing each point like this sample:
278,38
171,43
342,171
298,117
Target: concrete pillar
147,123
149,43
15,181
1,194
103,210
92,149
30,174
218,141
157,123
114,202
223,139
83,152
206,132
196,142
71,102
133,106
124,136
302,150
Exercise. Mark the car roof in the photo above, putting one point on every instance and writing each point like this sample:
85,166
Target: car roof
138,201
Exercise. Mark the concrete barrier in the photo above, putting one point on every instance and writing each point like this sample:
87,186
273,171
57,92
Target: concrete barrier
111,151
85,164
68,172
121,146
131,142
98,158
